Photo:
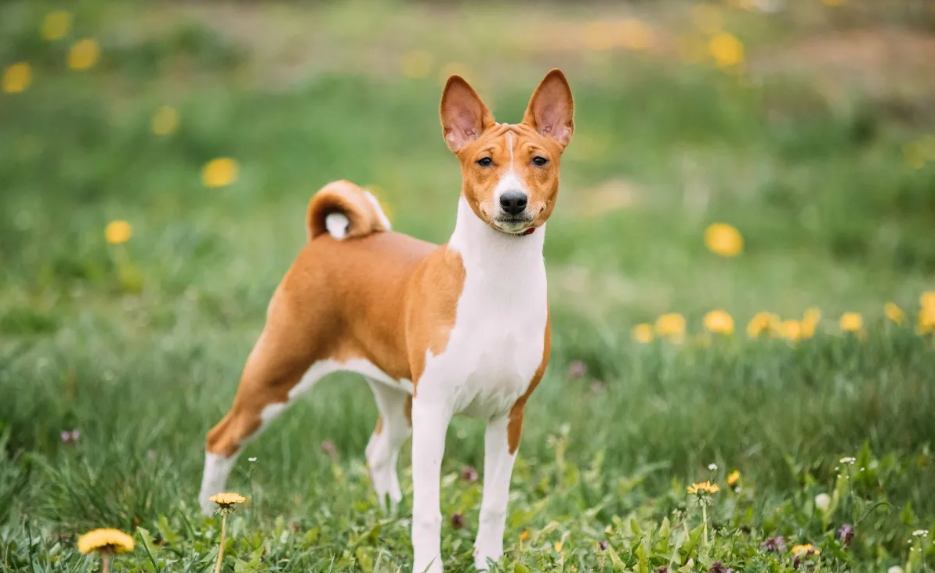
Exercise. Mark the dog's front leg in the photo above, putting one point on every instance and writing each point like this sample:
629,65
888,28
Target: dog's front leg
498,467
430,419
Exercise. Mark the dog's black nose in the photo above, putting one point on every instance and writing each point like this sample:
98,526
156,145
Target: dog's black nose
513,202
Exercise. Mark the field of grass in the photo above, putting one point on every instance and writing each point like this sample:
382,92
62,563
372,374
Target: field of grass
814,142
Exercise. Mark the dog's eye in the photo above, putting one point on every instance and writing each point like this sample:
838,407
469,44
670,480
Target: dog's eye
485,162
539,161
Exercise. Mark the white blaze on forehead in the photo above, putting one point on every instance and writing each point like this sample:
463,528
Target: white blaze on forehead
509,181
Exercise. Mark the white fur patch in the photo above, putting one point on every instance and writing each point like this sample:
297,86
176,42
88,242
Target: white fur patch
337,224
376,205
217,468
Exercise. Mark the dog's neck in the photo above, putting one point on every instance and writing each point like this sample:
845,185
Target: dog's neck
510,261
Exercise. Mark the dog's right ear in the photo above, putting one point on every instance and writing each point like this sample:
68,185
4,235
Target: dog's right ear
464,116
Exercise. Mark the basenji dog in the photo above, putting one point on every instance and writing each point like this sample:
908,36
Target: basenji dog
461,328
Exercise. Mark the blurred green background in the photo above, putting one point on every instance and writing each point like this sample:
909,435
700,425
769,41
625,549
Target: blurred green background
156,160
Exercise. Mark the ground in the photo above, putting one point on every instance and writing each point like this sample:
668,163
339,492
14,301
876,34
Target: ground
807,129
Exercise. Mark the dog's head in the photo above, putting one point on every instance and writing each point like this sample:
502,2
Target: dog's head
509,172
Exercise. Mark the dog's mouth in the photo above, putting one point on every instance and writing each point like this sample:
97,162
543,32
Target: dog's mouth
514,225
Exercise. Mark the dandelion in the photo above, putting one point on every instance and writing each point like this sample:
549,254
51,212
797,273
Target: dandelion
642,333
84,54
791,330
762,322
165,121
851,322
733,478
105,542
416,64
723,239
894,313
810,321
118,232
703,492
726,50
558,546
225,503
671,326
823,502
55,25
926,319
719,321
219,172
16,78
805,549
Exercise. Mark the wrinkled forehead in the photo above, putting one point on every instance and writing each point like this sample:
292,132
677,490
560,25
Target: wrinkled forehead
510,135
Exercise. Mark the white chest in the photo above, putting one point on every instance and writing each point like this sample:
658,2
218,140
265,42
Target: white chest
497,341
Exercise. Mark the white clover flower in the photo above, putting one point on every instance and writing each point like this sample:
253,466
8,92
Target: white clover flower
848,460
251,460
712,467
920,533
823,501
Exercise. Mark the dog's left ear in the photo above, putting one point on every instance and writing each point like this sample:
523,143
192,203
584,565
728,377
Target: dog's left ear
551,109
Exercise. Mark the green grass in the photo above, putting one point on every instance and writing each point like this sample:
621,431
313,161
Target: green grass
140,346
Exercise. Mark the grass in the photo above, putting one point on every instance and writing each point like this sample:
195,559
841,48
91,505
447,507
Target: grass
139,346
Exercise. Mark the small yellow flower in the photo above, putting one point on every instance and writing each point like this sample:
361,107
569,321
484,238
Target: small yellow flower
894,313
702,488
105,540
55,25
719,321
219,172
226,500
762,322
84,54
524,535
558,546
118,232
806,549
926,322
642,333
672,326
726,49
790,330
851,322
810,322
16,78
723,239
927,300
416,64
733,477
165,121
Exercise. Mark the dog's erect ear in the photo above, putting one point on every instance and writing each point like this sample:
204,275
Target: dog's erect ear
464,115
551,109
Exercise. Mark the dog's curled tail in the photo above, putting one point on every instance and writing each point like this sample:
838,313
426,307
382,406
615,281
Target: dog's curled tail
345,210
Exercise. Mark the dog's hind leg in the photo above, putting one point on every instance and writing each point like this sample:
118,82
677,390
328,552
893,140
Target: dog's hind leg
394,427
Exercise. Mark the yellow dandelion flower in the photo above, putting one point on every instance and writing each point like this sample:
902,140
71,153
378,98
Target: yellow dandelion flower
733,477
671,326
723,239
16,78
636,34
84,54
806,549
926,320
719,321
927,300
790,330
558,546
726,49
105,540
810,321
165,121
118,232
642,333
416,64
227,500
55,25
702,488
219,172
851,322
762,322
894,313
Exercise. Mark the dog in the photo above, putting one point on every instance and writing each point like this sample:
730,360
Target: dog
461,328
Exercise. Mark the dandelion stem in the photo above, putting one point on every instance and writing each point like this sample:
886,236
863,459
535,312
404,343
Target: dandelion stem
704,520
217,569
105,556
